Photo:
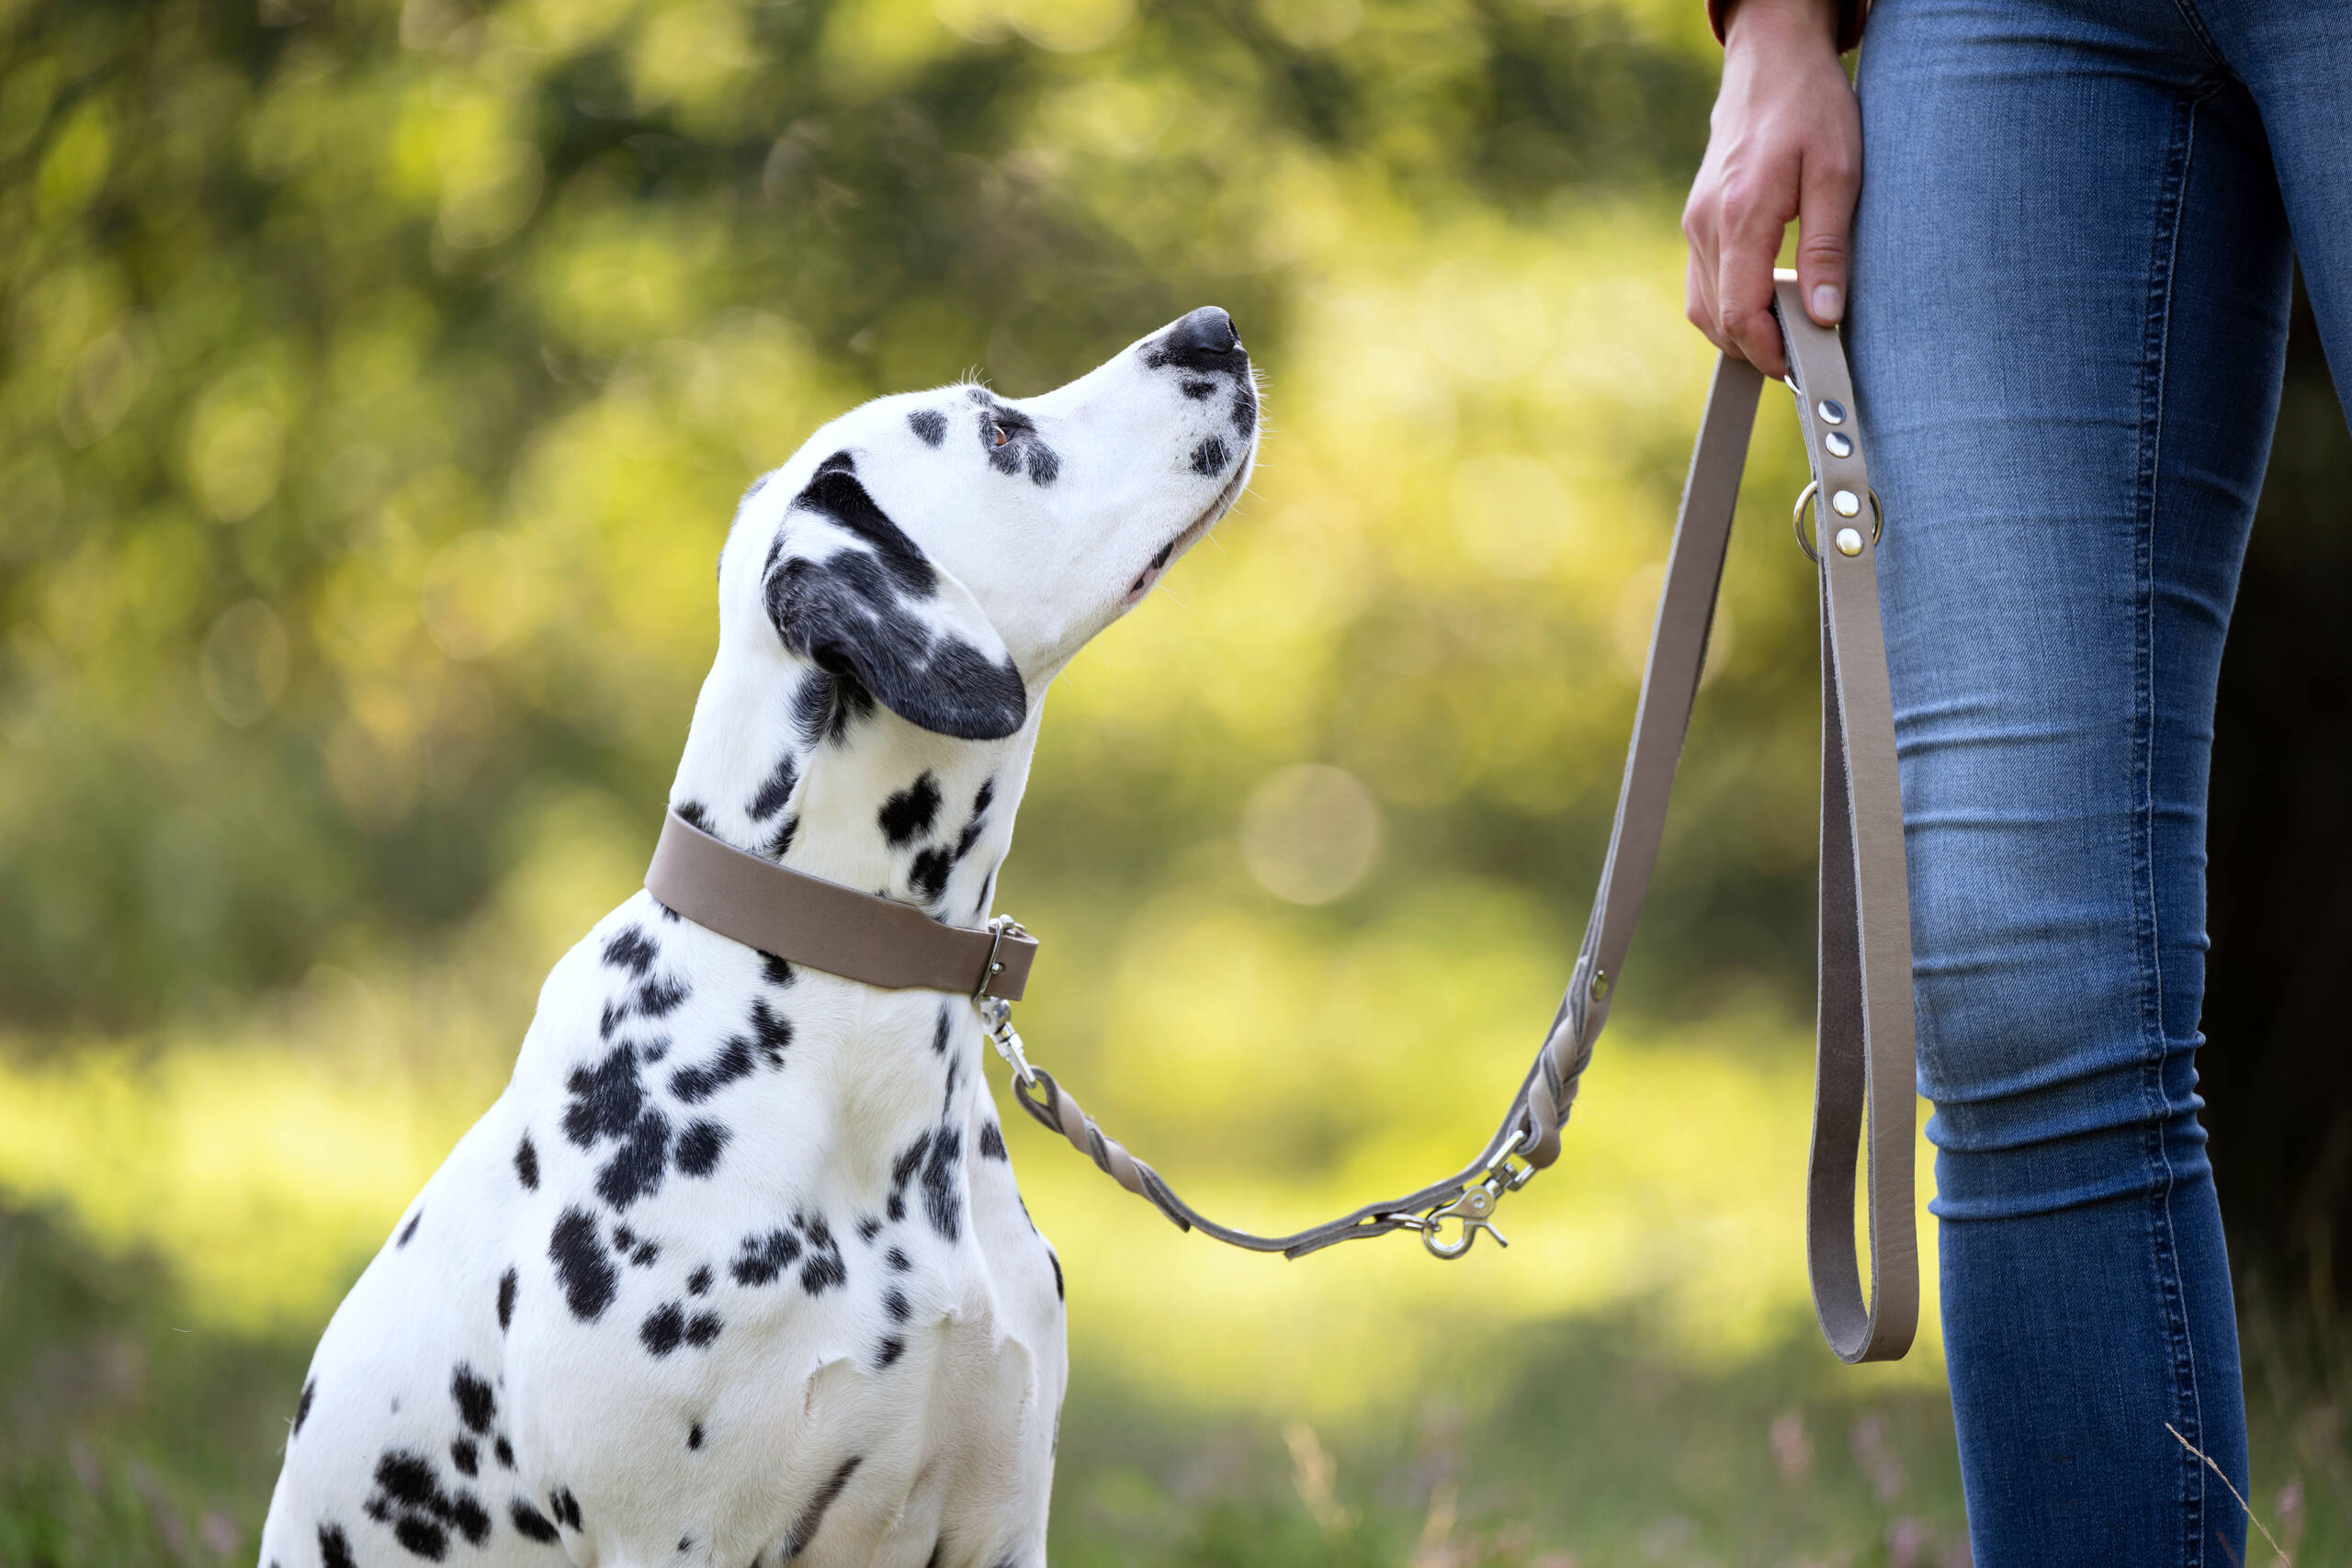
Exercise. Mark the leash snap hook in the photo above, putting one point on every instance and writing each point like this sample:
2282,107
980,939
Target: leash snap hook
1475,1209
996,1015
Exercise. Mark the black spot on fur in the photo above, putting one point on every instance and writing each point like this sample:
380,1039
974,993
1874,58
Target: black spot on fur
903,1170
505,1452
868,1228
664,1327
623,1239
942,1031
909,814
771,1035
632,950
775,971
1211,456
822,1270
804,1528
605,1099
698,1282
894,1302
931,871
637,1167
334,1548
659,996
1245,410
897,1260
303,1406
692,813
586,1274
777,790
565,1507
889,1351
1196,391
1161,559
465,1457
506,1287
699,1146
409,1230
644,1256
702,1329
409,1496
526,1164
694,1436
930,424
1055,1260
1045,464
992,1141
835,493
531,1524
780,841
828,704
941,1203
422,1537
477,1404
763,1258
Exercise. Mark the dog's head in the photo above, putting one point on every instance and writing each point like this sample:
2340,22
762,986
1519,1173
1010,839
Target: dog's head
947,552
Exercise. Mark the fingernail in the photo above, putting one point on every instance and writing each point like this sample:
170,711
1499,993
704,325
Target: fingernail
1828,302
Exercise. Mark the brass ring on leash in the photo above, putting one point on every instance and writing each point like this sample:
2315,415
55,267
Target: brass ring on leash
1796,519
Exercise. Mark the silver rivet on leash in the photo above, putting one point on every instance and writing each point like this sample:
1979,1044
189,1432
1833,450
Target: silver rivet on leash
1849,541
1839,444
1830,412
1845,503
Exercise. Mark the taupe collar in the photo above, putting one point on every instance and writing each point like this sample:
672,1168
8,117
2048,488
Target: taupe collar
829,927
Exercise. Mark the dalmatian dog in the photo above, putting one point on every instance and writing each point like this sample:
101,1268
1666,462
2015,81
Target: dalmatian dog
734,1273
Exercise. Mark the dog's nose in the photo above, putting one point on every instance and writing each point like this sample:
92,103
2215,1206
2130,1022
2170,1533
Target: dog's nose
1208,331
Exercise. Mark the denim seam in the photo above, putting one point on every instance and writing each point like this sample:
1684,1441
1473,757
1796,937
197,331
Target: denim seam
2190,18
2162,1242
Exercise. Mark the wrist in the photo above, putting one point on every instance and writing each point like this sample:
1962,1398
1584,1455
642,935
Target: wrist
1778,24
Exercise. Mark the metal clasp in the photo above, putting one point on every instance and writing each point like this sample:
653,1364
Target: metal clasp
1475,1207
996,1015
1472,1208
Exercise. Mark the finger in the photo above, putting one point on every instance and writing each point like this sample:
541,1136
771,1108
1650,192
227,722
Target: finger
1831,180
1751,240
1699,271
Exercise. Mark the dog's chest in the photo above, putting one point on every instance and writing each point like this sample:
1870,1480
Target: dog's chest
738,1256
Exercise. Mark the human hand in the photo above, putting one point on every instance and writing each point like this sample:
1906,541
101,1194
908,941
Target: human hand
1785,141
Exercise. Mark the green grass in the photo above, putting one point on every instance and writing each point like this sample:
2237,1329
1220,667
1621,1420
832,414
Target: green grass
131,1441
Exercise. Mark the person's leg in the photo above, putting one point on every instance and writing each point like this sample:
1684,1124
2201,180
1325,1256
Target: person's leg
2069,304
2295,58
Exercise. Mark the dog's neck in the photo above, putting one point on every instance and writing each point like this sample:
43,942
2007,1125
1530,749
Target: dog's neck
798,766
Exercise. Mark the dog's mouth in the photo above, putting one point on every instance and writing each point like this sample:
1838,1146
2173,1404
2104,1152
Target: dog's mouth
1188,537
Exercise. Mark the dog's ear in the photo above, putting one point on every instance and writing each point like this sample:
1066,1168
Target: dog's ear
847,590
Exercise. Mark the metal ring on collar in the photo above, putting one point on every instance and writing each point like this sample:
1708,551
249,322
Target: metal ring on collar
1796,519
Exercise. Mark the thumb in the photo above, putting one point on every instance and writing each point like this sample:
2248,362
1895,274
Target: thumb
1829,182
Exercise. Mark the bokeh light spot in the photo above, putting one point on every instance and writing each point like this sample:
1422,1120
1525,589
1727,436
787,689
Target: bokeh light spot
1310,833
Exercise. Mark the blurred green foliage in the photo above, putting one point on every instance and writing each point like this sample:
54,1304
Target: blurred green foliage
306,302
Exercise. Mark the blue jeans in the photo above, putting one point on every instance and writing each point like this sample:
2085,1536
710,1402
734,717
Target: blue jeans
2071,280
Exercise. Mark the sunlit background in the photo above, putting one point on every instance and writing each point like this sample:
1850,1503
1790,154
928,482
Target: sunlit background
379,381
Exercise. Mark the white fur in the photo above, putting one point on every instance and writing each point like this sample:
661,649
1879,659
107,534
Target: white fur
953,1433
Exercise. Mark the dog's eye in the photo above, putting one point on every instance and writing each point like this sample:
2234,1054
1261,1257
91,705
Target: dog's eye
997,435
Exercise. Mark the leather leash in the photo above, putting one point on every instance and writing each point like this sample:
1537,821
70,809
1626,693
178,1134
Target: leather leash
1863,1092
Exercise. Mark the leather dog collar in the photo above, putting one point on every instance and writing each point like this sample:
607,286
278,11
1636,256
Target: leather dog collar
826,926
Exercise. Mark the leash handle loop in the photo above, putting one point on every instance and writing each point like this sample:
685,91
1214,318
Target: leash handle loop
1864,1063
